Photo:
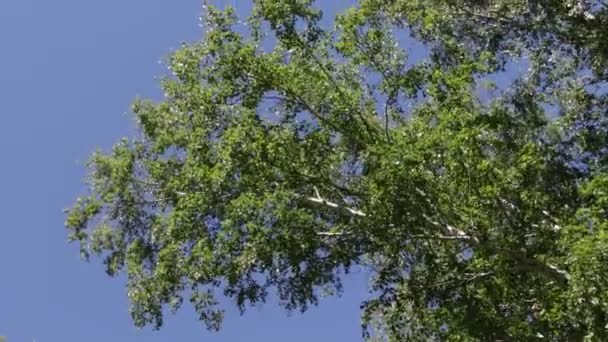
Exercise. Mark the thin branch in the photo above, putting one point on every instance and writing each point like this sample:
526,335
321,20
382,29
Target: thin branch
331,233
385,74
470,279
486,16
317,192
474,277
451,230
313,111
319,200
439,237
386,122
332,80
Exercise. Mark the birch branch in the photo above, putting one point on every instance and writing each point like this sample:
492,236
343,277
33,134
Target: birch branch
331,233
322,201
451,233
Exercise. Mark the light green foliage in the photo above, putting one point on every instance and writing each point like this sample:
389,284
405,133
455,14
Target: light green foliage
275,169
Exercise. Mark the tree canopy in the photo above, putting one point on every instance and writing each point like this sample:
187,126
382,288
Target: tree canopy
286,151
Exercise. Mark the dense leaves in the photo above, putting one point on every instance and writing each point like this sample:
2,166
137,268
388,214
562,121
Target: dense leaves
286,153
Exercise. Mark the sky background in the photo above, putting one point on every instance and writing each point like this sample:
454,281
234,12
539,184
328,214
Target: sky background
69,70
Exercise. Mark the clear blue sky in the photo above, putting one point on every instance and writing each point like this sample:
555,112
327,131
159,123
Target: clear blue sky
69,70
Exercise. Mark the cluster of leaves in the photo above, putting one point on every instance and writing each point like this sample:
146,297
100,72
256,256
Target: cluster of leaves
284,155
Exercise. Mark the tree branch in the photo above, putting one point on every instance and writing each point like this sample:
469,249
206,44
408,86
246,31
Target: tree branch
453,233
318,200
471,278
331,233
332,80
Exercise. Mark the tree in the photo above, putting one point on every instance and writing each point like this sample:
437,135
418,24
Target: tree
286,153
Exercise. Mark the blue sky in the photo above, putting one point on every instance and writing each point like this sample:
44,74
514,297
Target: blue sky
69,70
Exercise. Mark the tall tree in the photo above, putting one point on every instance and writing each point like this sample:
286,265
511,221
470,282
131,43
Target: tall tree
286,153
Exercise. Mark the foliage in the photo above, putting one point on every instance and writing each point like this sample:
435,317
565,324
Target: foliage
286,153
